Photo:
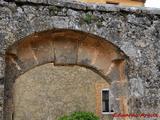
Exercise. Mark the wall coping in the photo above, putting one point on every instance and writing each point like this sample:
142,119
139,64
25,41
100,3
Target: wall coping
88,6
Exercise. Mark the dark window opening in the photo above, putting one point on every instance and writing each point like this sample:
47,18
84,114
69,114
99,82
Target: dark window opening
105,100
113,3
106,108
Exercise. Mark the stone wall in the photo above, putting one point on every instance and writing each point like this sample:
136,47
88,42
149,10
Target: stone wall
136,31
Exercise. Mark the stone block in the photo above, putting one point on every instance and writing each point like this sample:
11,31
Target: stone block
96,53
22,55
2,67
65,50
119,89
43,49
113,73
115,104
116,71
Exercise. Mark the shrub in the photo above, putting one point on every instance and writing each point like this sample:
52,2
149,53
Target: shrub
80,116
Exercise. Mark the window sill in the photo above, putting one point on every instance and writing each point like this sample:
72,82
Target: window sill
107,113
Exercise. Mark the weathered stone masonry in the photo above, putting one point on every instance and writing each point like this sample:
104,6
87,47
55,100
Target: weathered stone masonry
135,31
66,47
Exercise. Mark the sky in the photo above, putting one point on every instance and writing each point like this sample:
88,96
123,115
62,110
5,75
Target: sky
152,3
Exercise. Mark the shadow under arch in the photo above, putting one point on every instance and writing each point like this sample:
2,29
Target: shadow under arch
61,47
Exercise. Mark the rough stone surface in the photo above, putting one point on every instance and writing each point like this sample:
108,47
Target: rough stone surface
136,31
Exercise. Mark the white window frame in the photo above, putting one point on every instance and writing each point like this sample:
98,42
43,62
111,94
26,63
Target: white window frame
105,113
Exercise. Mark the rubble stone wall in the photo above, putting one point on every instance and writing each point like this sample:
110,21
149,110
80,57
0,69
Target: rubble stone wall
135,31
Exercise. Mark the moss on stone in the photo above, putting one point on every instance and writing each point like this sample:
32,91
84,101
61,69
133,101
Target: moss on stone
87,18
53,10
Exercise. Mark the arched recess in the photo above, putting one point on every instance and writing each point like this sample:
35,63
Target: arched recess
66,47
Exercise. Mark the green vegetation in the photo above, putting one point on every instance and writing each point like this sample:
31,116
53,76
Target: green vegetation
80,116
87,18
90,18
53,10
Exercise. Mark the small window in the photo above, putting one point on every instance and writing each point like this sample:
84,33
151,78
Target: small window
106,109
113,3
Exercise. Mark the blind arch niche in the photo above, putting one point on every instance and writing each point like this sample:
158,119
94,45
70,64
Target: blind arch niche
66,47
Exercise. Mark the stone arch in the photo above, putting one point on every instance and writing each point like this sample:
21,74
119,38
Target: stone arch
65,47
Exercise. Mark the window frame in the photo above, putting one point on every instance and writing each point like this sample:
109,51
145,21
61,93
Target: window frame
105,113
